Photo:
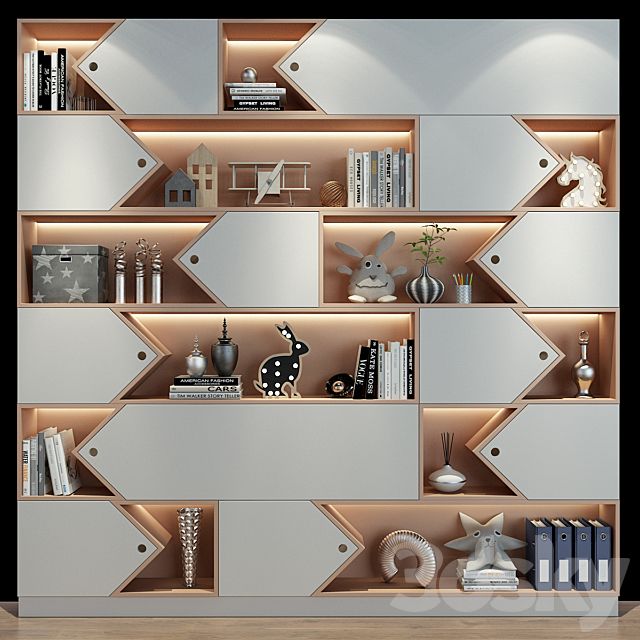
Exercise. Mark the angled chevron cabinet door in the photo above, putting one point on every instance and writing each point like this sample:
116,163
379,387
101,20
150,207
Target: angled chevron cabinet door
91,354
577,268
84,162
279,548
79,548
158,66
277,268
479,355
571,452
479,163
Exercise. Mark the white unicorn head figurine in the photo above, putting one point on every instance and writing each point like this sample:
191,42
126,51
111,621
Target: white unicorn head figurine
590,190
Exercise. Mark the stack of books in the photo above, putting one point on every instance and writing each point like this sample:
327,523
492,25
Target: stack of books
47,464
49,80
380,178
254,96
385,372
206,388
492,579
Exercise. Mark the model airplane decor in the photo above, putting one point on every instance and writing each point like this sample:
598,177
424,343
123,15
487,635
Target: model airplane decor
269,179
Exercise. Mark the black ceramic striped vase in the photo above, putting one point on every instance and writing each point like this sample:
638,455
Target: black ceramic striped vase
425,288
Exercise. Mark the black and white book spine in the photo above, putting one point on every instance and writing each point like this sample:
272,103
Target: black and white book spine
403,372
42,436
395,370
205,396
362,363
381,180
487,587
255,90
388,177
52,463
26,87
54,81
358,179
411,379
351,177
482,582
261,108
71,78
40,80
409,180
26,469
209,380
42,464
62,79
244,102
387,373
212,388
248,85
256,98
33,466
366,178
381,351
402,177
46,82
33,92
395,180
373,178
371,391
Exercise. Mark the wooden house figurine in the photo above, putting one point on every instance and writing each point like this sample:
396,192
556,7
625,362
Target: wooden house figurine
202,168
179,190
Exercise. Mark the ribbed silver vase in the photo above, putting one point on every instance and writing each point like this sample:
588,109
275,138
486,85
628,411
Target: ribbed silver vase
425,288
189,519
411,541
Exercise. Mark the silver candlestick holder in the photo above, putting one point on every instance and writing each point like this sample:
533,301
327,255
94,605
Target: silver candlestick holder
119,256
156,274
141,264
189,519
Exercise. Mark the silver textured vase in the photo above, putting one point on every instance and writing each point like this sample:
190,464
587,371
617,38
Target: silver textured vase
583,372
411,541
425,288
196,361
189,519
224,354
447,479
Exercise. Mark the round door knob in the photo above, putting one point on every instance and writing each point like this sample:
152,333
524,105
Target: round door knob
495,259
142,548
543,355
342,548
495,452
93,452
93,66
294,66
543,163
194,259
142,355
142,162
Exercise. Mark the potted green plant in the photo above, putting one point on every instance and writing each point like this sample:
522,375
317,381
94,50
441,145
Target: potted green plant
426,288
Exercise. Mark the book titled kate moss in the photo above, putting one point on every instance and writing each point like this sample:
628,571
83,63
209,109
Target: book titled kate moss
371,387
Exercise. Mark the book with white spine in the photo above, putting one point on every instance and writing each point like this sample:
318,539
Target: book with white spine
395,180
26,450
388,177
54,81
403,372
373,178
408,185
44,475
33,465
351,184
381,352
34,80
64,444
366,176
26,86
358,179
395,370
387,373
52,463
381,181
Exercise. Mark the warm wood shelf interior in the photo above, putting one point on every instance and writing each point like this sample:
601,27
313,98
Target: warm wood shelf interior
595,138
163,575
563,329
463,423
364,233
83,421
172,232
439,524
260,45
333,339
322,141
76,36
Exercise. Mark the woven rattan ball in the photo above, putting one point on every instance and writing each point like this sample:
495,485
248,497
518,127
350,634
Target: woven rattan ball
333,194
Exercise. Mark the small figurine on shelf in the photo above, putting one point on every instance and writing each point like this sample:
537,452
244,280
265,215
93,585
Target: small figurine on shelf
333,194
155,253
224,353
141,265
202,168
405,540
340,385
371,282
282,369
590,190
196,361
120,264
583,371
179,190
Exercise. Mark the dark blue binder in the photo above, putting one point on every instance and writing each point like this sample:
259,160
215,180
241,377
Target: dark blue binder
601,551
539,553
562,537
582,577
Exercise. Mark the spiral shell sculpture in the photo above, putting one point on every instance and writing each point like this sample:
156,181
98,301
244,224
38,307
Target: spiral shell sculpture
141,255
411,541
120,257
333,194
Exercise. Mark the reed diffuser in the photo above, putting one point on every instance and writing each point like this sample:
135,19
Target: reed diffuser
447,479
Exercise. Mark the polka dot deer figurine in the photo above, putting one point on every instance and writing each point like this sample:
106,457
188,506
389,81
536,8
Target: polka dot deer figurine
283,369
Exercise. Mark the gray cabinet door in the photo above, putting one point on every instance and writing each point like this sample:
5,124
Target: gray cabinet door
278,548
283,451
158,66
478,163
558,451
84,163
77,355
459,66
77,548
259,259
479,355
577,266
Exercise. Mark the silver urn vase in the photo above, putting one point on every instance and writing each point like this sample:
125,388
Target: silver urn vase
425,288
189,519
224,353
196,361
583,371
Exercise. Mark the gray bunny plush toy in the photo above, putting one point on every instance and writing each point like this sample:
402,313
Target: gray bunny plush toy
371,282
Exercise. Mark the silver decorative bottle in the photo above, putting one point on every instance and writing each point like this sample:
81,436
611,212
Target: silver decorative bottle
120,265
189,519
583,371
224,354
196,360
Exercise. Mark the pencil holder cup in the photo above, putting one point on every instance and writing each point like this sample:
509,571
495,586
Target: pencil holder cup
463,293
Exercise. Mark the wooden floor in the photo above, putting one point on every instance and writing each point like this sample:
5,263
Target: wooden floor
627,626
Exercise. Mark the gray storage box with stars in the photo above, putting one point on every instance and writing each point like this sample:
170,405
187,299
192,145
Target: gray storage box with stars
70,273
